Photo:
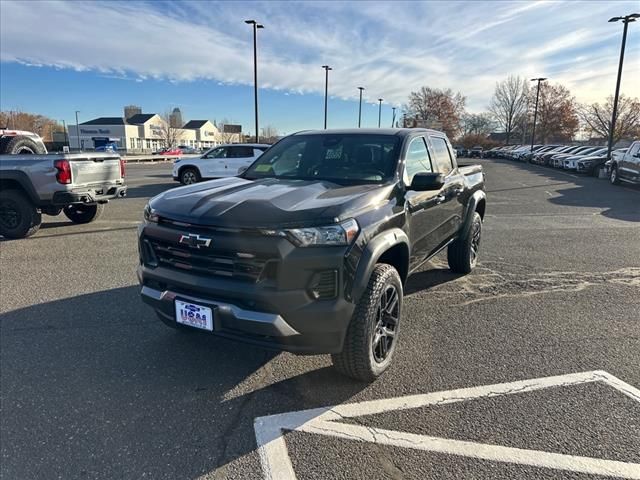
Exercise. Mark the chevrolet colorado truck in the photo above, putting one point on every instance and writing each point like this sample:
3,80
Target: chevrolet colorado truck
309,249
77,185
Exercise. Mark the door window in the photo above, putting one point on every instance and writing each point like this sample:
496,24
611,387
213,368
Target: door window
217,153
441,155
417,159
240,152
634,149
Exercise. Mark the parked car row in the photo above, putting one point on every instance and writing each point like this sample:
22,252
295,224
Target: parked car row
623,166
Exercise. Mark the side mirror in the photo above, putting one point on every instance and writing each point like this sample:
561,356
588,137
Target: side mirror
427,181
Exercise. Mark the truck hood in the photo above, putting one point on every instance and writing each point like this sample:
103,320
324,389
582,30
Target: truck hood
267,203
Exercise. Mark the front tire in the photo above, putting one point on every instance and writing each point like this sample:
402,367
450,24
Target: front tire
462,254
189,176
19,217
82,213
373,331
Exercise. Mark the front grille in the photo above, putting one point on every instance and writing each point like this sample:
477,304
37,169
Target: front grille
207,261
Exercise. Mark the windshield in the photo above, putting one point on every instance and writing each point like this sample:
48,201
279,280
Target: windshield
340,158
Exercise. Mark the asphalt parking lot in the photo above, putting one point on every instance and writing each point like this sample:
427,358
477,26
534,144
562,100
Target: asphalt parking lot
528,368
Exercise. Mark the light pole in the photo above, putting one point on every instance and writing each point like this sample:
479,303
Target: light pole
393,117
64,127
78,129
326,91
379,111
256,26
535,110
360,107
625,20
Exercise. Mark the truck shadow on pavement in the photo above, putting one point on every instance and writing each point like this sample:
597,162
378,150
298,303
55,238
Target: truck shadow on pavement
149,190
432,277
105,390
616,202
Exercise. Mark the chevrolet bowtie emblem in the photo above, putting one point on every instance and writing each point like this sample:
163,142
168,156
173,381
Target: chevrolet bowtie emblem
194,240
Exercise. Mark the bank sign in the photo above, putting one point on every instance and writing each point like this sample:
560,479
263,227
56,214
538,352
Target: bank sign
98,130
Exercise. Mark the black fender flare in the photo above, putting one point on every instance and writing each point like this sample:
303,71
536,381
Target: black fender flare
476,198
22,179
375,248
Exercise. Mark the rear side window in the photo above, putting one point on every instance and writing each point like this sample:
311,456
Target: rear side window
441,156
240,152
417,159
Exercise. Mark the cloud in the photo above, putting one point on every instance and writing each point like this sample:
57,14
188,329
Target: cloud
390,48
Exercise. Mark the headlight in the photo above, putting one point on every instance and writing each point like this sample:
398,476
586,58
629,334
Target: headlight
150,214
341,234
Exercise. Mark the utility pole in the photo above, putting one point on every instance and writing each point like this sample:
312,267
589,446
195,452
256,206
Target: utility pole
535,111
78,129
379,111
326,91
625,20
256,26
393,117
360,107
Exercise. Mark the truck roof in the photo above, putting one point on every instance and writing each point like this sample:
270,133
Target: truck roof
401,132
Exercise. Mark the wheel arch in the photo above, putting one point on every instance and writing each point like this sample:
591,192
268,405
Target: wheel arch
392,247
17,180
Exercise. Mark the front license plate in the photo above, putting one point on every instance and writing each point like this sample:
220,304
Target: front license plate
194,315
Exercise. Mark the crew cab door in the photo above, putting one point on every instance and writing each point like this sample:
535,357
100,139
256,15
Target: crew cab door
630,164
424,217
450,197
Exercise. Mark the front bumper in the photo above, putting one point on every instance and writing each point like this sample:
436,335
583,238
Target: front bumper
275,309
98,194
287,320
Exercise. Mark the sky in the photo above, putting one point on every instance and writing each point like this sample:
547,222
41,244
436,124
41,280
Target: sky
96,57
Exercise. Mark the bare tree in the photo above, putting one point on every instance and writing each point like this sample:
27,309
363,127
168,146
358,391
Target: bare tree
169,135
433,105
476,124
269,134
509,104
597,118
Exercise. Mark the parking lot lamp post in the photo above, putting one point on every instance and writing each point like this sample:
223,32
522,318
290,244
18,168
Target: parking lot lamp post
535,110
78,129
625,20
256,26
326,91
393,116
379,111
64,127
360,107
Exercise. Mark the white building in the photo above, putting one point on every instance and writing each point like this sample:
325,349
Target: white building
144,133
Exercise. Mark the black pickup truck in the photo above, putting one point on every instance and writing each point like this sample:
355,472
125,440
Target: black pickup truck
308,249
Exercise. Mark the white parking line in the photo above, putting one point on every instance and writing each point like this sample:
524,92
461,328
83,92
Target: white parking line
276,463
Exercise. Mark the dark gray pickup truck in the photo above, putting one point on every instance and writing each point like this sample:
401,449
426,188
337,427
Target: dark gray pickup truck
309,249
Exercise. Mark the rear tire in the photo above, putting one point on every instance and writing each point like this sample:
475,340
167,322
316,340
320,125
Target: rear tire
614,176
21,145
462,254
19,217
372,334
189,176
82,213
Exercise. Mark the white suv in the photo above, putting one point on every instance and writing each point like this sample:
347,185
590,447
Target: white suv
219,162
